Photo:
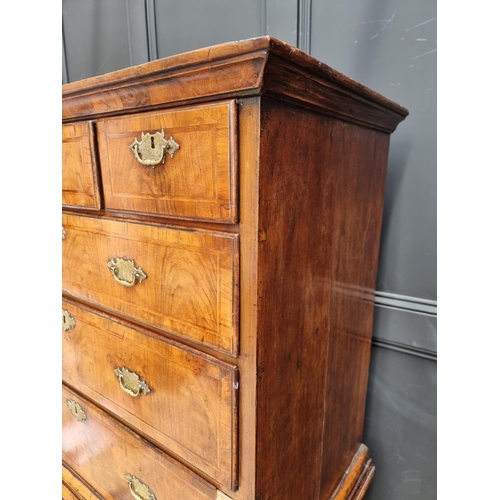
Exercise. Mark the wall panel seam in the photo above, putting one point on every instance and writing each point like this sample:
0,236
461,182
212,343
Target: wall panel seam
406,303
405,349
65,78
304,25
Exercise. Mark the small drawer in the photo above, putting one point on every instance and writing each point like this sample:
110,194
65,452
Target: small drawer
184,400
115,461
79,170
191,176
182,281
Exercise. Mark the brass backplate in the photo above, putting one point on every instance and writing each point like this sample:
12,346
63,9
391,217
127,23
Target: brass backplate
76,409
68,322
138,489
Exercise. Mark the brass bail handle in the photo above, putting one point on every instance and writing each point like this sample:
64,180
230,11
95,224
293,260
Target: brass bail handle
150,150
138,489
125,272
130,382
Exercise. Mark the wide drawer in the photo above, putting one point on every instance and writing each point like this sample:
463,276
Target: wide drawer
189,278
79,171
114,460
196,181
185,400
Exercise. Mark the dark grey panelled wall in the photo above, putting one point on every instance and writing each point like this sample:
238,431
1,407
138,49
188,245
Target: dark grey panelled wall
390,46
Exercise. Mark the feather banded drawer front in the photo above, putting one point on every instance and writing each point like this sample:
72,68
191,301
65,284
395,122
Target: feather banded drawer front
221,225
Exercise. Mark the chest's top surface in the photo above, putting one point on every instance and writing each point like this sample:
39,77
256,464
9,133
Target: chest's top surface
259,66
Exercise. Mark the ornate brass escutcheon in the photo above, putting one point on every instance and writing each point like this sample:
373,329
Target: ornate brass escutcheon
138,489
125,272
130,382
151,149
76,409
68,322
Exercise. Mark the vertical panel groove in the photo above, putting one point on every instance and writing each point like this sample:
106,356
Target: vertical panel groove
151,30
304,25
65,78
263,17
129,32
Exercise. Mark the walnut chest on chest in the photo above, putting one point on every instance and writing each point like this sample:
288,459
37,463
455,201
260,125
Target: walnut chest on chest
221,225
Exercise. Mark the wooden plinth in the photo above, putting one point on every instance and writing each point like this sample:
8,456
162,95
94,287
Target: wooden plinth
357,477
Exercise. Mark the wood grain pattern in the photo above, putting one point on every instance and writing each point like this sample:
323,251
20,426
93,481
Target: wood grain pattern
191,287
103,451
249,149
356,478
242,68
192,407
79,169
295,258
199,182
358,189
274,277
320,209
73,485
67,494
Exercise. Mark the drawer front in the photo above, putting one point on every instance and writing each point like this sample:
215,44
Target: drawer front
186,401
105,453
189,278
79,171
75,486
197,181
67,494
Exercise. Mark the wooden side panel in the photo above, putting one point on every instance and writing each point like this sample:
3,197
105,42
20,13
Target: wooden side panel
191,287
80,187
295,264
198,182
103,451
321,192
358,191
191,409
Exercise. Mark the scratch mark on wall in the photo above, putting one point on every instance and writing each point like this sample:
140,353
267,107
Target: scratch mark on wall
421,39
398,455
421,24
388,21
424,54
371,38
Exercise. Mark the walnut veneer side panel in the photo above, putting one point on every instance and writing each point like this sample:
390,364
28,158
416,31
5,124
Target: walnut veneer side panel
358,193
320,206
198,182
80,177
191,405
191,284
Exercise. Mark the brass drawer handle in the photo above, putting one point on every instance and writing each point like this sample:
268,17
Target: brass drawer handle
68,322
130,382
76,410
138,489
151,149
63,233
125,272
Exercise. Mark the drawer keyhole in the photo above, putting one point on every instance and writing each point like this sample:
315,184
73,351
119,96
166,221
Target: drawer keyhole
152,142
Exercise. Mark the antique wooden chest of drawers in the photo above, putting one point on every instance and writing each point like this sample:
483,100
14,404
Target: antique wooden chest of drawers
221,224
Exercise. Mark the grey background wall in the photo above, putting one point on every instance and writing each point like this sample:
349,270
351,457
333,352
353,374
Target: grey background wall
390,46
